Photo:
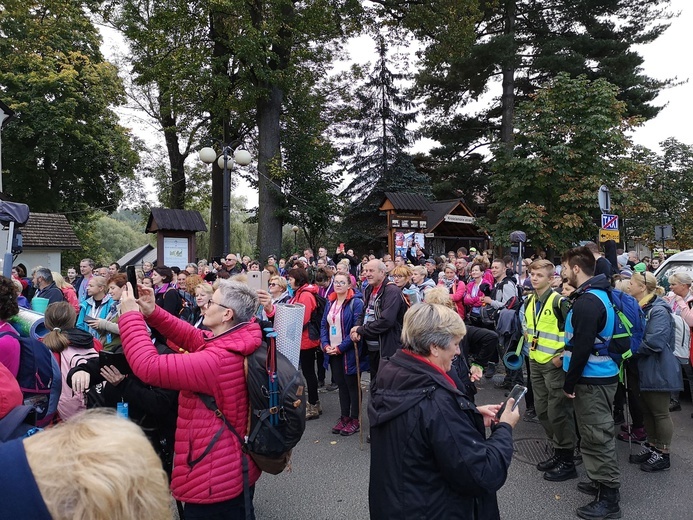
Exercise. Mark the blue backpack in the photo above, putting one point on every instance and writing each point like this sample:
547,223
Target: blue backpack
627,328
38,377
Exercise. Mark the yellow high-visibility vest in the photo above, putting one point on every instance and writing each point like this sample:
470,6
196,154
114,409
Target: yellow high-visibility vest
544,339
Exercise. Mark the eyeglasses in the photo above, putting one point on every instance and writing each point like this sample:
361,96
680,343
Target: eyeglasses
210,302
341,282
229,258
274,284
398,276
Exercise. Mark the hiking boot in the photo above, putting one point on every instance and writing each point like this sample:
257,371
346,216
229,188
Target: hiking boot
604,506
549,464
340,425
351,428
331,387
674,405
588,488
657,462
642,456
311,412
636,435
490,371
564,470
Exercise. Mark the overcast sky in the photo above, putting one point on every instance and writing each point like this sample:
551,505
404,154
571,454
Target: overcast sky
666,58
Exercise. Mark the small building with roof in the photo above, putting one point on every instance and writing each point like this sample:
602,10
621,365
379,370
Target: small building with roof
44,237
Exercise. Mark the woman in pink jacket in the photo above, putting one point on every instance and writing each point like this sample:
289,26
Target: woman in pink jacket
208,484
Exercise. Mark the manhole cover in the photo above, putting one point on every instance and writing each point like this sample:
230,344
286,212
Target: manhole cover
532,451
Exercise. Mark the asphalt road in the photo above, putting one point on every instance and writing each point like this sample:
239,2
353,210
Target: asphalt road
329,476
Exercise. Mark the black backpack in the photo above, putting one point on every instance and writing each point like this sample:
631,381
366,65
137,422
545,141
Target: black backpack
276,392
315,321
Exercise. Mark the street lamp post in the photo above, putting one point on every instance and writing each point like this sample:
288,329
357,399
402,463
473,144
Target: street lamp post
225,161
295,230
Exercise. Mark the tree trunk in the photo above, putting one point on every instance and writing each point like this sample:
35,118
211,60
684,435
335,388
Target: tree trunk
175,158
508,96
269,233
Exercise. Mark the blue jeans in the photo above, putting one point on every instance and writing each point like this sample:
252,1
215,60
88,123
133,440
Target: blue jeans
233,509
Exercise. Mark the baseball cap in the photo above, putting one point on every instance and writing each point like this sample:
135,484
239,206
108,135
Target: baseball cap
430,261
640,267
472,249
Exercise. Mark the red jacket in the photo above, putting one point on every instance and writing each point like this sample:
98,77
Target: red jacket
213,366
303,296
458,297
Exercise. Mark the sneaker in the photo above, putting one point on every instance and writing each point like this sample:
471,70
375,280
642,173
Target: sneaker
530,416
490,371
311,412
318,407
642,456
351,428
637,435
657,462
331,387
340,425
674,405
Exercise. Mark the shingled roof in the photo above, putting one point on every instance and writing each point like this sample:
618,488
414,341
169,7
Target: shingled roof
49,231
408,201
162,219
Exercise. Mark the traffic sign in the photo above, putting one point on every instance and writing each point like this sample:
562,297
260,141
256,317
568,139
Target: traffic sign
609,221
608,234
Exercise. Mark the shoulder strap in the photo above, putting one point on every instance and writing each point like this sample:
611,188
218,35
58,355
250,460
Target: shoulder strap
210,403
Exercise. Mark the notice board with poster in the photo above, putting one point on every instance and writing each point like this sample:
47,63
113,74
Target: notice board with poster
408,240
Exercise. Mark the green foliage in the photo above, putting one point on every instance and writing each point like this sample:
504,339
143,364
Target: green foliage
524,44
243,232
659,192
65,152
570,139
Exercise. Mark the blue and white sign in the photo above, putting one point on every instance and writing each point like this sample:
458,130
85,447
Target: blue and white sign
609,221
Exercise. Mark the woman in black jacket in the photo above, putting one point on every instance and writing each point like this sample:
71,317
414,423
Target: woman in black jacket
154,409
429,455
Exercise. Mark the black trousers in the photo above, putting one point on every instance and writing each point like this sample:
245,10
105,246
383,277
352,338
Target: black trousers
308,358
348,388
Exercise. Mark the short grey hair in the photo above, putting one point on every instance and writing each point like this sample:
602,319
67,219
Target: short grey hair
429,325
240,298
45,273
194,266
682,278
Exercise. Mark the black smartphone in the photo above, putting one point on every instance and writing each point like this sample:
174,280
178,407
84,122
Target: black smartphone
117,360
132,278
517,393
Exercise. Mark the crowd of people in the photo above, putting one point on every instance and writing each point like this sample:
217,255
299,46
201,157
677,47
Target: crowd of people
426,328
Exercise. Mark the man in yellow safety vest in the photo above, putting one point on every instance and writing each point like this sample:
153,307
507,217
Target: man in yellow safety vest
544,319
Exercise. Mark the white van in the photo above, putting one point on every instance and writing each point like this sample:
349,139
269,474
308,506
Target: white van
682,261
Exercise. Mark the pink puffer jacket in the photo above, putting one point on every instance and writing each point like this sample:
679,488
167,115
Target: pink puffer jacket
214,366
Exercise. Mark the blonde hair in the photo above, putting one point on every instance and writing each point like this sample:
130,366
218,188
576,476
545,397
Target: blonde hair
541,263
59,280
419,269
682,278
59,317
206,288
622,285
280,280
427,325
649,281
439,295
98,466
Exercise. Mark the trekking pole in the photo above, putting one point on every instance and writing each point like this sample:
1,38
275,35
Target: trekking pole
628,421
358,385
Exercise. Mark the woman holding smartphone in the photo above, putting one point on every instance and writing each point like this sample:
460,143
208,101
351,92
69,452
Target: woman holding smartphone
96,306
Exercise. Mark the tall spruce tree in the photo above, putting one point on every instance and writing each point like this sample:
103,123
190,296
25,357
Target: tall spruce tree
377,157
520,44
